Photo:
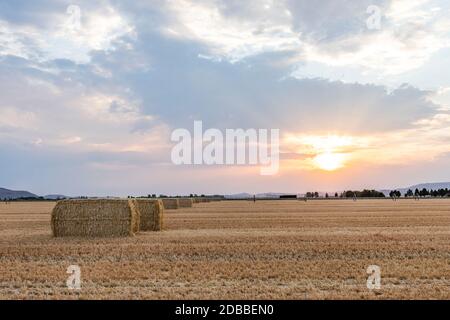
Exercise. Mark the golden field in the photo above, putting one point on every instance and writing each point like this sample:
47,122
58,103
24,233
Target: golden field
238,250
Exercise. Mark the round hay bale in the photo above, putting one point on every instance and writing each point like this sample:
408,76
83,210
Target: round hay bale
170,203
94,218
151,213
185,202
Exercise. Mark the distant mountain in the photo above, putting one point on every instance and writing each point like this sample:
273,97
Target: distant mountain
428,186
238,196
13,194
55,197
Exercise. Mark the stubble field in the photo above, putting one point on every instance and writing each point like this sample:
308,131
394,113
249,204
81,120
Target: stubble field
238,250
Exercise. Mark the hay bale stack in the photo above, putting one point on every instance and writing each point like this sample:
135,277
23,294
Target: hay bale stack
185,202
95,218
151,214
170,203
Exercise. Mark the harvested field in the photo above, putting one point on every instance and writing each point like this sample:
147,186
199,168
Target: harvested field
238,250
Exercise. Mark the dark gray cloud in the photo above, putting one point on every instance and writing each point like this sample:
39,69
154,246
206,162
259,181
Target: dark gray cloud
180,87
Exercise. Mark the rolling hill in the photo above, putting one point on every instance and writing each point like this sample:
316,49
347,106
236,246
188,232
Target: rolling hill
13,194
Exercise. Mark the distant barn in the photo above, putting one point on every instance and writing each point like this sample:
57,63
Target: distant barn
288,196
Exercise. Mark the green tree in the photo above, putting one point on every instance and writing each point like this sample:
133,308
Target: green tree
416,192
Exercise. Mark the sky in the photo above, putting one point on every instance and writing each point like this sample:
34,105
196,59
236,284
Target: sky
90,93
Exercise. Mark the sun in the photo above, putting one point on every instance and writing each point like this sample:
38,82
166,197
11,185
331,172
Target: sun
325,152
329,161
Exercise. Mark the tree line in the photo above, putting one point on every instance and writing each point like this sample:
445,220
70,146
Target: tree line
428,193
366,193
349,194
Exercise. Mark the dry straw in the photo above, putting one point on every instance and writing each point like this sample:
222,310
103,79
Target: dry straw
170,203
151,214
185,202
95,218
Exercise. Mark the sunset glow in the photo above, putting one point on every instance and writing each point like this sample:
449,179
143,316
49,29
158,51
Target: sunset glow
324,152
329,161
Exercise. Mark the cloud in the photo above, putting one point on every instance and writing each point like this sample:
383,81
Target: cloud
70,32
267,27
57,110
13,118
334,34
442,98
256,93
409,36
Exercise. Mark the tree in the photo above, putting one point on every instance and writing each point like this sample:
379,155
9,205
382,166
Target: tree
409,193
395,193
365,194
335,194
424,192
349,194
326,195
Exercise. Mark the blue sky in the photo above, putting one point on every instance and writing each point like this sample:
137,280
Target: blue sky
88,107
